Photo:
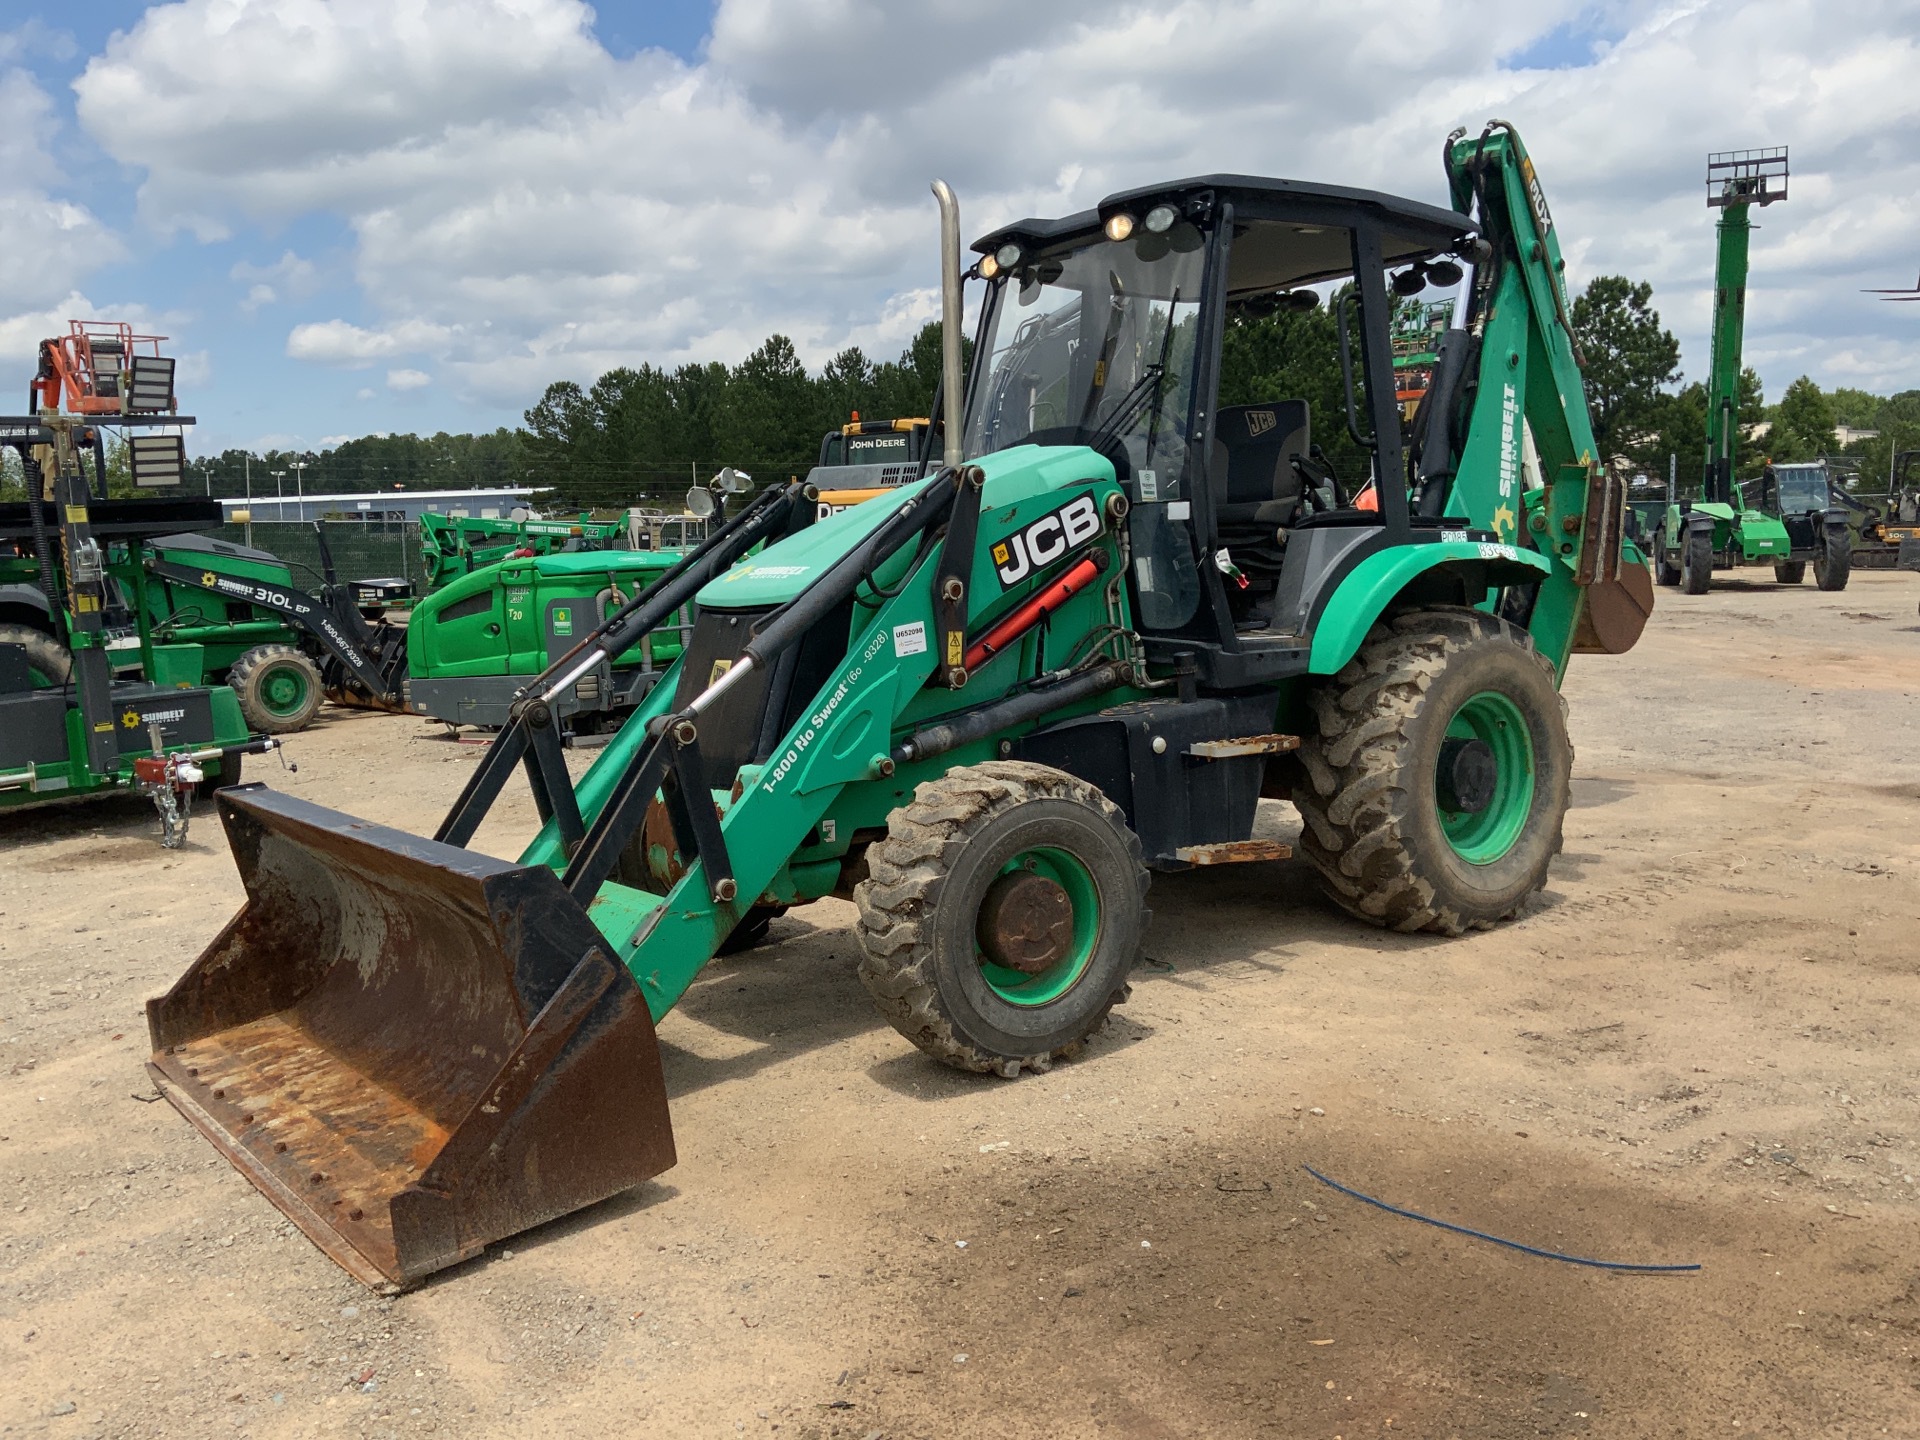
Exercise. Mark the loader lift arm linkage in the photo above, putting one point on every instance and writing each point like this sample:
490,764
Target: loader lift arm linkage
986,703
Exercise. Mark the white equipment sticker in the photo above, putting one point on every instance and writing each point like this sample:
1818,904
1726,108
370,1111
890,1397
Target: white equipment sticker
909,639
1149,485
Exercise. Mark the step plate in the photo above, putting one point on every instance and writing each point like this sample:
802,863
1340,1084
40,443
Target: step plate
1244,745
1233,852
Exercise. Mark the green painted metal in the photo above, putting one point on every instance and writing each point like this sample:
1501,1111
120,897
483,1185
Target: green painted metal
1083,894
1742,534
1530,384
285,689
491,622
1365,594
1484,836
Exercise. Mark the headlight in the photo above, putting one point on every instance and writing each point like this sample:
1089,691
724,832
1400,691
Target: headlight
1119,227
989,267
1007,256
1160,219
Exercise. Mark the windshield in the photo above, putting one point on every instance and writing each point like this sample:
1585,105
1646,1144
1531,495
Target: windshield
1092,344
1802,488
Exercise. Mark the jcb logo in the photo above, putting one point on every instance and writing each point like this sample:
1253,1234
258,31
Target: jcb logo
1046,540
1260,421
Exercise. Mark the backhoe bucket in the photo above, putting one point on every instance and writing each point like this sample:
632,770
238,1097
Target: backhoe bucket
412,1049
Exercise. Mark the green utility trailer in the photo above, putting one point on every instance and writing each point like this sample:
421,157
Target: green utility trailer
70,728
989,707
474,644
1725,529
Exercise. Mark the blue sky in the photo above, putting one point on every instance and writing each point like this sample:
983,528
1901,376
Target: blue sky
413,214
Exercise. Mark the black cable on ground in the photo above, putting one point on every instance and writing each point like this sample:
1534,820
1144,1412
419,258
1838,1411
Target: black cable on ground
1495,1239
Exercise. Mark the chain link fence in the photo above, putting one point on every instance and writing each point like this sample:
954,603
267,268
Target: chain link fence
361,549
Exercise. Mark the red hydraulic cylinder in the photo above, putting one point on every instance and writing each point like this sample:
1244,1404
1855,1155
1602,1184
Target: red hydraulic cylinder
1035,609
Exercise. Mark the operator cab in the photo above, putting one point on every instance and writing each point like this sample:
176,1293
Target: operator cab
1226,343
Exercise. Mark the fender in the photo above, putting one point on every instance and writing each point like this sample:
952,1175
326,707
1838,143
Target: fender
1372,585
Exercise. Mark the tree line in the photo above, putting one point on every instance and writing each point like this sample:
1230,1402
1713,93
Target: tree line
1645,410
640,435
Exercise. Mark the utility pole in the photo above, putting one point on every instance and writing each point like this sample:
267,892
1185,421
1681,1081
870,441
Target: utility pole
299,489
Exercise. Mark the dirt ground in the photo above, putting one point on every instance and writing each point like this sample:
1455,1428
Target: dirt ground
1701,1047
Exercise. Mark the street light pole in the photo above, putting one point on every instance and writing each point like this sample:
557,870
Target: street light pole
299,488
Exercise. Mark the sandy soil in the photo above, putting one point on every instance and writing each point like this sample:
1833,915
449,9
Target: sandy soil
1700,1048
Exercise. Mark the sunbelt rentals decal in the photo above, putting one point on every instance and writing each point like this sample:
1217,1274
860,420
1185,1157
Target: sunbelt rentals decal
1041,542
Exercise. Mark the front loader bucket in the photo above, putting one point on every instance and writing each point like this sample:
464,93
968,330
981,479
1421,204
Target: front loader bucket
411,1048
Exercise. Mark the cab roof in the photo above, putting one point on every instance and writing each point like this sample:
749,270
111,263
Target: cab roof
1287,232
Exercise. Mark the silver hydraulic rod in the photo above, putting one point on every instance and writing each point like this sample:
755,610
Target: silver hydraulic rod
735,672
951,379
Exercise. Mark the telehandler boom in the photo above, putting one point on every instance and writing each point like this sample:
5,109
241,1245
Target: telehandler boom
987,707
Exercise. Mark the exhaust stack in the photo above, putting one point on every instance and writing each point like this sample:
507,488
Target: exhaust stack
952,381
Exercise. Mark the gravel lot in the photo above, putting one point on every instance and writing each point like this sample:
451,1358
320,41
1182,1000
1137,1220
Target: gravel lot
1700,1047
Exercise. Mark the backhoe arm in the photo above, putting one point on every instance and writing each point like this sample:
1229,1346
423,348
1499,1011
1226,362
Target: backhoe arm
1528,470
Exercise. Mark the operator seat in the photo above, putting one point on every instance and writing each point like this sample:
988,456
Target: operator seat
1253,448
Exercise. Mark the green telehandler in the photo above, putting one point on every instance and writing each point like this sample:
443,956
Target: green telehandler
1725,528
987,707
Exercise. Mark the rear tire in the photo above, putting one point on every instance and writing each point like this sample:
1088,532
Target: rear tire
952,856
1696,562
1664,569
1789,572
1389,825
1832,564
278,687
50,662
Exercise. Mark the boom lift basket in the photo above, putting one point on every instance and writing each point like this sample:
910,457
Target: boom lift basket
410,1048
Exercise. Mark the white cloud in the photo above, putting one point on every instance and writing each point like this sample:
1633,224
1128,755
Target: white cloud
523,206
48,243
404,380
290,276
336,342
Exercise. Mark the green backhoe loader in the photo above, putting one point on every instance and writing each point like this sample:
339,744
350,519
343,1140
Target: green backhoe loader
1725,528
988,707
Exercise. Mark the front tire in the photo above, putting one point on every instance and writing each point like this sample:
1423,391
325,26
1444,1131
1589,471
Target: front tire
1438,782
1664,569
1789,572
278,687
1832,563
1696,562
1001,916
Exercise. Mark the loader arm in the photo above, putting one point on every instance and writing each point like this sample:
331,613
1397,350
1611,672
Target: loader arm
1570,510
311,616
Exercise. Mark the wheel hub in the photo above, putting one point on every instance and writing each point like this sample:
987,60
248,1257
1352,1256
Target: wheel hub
1466,776
1026,923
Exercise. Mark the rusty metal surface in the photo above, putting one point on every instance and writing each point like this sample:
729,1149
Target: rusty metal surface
411,1049
1615,613
1244,745
1233,852
1026,922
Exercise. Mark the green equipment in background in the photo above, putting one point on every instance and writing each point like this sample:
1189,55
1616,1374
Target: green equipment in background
987,707
1725,528
69,729
474,644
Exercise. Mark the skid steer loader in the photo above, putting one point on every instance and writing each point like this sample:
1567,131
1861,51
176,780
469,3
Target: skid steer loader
987,707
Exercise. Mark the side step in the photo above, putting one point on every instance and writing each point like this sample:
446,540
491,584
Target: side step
1244,745
1233,852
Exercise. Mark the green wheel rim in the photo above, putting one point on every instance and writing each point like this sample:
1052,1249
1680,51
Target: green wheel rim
1484,836
1050,984
284,690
